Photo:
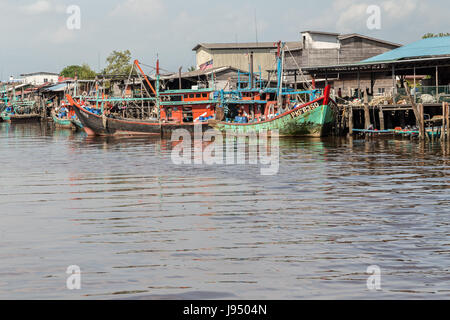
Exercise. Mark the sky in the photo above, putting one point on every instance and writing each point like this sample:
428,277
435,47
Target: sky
35,36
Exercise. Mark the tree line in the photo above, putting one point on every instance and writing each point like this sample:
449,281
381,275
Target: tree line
118,63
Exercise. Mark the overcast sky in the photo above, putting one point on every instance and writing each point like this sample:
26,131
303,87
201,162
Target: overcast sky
35,36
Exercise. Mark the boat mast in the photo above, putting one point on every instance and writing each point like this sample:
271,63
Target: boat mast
157,90
280,66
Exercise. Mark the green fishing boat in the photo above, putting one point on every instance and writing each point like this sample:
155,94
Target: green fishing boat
313,119
62,123
61,118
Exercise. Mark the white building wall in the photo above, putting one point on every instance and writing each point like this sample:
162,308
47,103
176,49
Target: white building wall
40,79
320,41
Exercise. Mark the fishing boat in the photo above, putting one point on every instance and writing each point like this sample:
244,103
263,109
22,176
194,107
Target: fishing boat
63,123
175,109
311,119
19,113
64,116
98,124
18,110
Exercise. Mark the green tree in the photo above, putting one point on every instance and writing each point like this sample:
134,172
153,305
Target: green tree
119,63
437,35
84,72
192,68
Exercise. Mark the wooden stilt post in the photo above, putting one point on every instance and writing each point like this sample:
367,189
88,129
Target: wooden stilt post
415,85
366,111
359,85
437,83
350,120
448,121
422,133
394,85
381,114
444,121
295,80
418,112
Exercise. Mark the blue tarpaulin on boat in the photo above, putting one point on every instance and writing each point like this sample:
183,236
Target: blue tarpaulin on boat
424,48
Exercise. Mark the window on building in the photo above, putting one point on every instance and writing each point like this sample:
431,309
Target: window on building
381,90
45,80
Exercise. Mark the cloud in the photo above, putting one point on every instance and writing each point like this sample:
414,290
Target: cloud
42,7
39,7
352,15
138,8
400,8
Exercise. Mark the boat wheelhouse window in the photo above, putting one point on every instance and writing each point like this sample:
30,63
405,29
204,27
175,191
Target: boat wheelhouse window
204,95
191,95
197,95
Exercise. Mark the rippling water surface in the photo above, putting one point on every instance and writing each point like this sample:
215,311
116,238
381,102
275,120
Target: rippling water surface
141,227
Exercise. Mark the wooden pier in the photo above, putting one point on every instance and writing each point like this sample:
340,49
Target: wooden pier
424,121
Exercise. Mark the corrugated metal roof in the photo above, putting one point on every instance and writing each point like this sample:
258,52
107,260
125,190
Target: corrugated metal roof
197,73
430,47
357,35
39,73
246,45
321,32
58,87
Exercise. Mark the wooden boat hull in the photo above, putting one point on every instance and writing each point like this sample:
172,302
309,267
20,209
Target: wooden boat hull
77,124
95,125
18,118
313,119
62,123
104,126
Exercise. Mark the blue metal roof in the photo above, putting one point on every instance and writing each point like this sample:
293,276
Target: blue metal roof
422,48
56,87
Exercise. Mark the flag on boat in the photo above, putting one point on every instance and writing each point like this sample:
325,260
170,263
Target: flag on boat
206,65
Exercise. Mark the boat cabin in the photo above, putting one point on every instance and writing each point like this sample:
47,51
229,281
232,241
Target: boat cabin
188,106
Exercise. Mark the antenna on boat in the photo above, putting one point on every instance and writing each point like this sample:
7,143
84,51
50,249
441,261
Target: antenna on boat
157,64
158,105
256,29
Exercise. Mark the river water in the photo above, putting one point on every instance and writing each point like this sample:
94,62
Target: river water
141,227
